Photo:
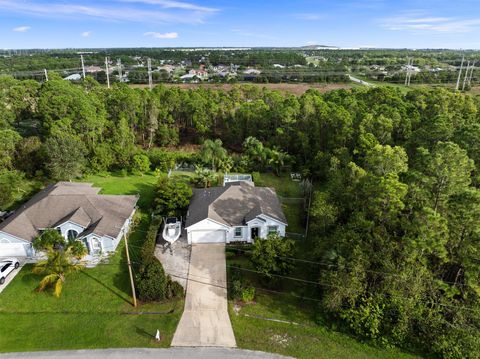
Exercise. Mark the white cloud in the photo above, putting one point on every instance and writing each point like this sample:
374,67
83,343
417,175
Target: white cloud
156,11
309,16
431,24
21,28
158,35
86,33
173,5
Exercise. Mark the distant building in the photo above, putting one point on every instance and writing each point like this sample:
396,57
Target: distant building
73,77
251,71
93,69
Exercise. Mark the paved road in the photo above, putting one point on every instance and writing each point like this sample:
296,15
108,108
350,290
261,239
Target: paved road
205,321
171,353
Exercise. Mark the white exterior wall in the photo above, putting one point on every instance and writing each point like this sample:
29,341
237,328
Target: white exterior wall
231,235
11,246
65,227
205,225
263,227
110,244
209,225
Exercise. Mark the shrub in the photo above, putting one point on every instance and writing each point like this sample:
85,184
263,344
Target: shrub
174,289
141,163
161,159
172,197
49,239
248,294
269,255
256,177
236,289
152,282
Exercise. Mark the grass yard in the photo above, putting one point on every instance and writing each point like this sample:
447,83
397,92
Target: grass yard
290,302
94,310
305,340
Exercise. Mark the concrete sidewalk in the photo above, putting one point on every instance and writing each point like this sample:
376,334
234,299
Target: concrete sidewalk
205,321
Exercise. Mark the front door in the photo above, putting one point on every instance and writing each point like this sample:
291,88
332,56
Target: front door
254,232
97,246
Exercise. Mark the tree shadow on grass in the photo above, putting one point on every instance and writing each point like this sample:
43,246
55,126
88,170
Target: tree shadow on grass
119,295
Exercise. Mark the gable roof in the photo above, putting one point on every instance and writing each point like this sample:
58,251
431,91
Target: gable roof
80,203
234,205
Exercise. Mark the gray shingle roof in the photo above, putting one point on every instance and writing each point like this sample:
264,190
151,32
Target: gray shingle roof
76,202
234,205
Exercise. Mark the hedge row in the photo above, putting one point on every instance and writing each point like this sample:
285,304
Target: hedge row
152,282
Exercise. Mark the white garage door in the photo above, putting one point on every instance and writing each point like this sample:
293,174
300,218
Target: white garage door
208,236
13,250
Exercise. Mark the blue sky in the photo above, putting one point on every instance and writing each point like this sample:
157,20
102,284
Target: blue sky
189,23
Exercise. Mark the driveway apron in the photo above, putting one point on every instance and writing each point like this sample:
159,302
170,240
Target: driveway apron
205,321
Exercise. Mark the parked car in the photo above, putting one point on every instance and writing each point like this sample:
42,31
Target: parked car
6,267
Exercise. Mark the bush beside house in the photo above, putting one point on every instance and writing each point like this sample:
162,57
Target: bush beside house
152,282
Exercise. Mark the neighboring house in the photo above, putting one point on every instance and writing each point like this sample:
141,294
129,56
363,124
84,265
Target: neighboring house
251,71
73,77
77,211
239,211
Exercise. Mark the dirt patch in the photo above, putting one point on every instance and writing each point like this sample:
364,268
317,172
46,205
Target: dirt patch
281,339
288,88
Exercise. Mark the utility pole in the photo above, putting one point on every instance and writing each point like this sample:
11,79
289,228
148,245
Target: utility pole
150,83
119,65
408,69
460,74
130,272
471,74
83,66
466,75
106,70
410,72
46,74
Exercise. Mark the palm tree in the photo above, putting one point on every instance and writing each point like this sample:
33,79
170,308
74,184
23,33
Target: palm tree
277,159
226,164
212,151
55,268
204,176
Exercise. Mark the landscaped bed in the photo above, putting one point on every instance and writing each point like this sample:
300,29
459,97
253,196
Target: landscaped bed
94,310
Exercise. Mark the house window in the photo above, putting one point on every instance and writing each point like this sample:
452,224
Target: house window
72,235
272,229
238,232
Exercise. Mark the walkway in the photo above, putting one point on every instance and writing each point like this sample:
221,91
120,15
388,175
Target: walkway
205,321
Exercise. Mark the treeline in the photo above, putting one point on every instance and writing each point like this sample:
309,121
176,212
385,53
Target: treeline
395,227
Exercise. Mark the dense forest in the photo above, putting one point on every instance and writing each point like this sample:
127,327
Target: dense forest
395,217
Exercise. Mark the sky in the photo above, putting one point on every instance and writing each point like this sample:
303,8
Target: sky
235,23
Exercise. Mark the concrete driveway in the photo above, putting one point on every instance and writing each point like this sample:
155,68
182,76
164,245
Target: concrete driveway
205,321
12,275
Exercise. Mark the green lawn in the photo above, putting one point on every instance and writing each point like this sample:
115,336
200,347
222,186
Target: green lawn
290,301
306,340
95,308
